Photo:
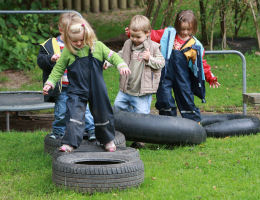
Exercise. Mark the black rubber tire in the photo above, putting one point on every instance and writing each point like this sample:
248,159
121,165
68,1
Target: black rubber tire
158,129
233,127
211,119
97,172
97,148
50,145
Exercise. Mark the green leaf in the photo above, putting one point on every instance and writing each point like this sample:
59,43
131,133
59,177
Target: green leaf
25,37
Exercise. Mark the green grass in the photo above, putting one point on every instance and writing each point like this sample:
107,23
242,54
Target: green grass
217,169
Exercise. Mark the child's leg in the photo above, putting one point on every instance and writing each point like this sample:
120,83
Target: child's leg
90,126
75,121
165,103
184,95
141,104
59,123
122,102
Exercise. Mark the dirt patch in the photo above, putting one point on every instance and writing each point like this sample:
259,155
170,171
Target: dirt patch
13,79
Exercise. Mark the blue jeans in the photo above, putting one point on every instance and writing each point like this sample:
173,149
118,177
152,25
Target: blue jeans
130,103
59,123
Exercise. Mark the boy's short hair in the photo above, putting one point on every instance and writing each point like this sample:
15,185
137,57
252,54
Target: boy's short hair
186,16
140,23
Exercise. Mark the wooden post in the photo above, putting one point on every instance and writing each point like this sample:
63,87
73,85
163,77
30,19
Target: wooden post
122,4
131,3
113,5
86,5
104,5
60,4
95,6
43,3
69,4
77,5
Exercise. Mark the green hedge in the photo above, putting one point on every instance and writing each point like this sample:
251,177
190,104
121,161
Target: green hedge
20,34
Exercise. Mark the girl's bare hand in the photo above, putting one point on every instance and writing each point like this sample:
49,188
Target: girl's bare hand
125,71
46,88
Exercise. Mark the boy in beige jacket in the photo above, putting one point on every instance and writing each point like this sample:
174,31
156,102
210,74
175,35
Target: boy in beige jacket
144,58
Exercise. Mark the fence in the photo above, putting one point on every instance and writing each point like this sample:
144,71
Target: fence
95,5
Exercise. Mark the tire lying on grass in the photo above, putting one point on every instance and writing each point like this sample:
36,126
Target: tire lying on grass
158,129
97,172
230,125
50,144
97,148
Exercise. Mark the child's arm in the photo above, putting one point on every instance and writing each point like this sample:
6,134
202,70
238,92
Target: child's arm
210,78
113,58
44,60
157,61
58,70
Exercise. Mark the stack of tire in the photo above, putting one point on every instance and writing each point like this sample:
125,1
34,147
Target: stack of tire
90,168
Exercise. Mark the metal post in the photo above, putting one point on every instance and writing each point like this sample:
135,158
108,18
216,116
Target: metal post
243,68
7,121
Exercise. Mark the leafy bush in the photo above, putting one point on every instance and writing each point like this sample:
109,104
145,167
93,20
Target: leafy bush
19,34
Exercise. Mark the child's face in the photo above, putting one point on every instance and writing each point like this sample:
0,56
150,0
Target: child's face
77,40
185,31
138,37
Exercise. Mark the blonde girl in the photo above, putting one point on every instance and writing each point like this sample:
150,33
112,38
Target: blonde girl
84,55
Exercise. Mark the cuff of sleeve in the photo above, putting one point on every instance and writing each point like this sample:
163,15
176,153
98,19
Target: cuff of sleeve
212,80
50,84
122,65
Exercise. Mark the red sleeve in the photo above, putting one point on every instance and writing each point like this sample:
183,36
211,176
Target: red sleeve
207,71
156,35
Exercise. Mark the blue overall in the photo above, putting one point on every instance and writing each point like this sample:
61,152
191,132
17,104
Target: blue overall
178,76
87,85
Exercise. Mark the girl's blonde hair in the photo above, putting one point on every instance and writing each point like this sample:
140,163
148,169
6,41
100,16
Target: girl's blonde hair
76,25
186,16
140,23
63,20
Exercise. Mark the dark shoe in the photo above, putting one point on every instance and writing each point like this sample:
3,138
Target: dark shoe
138,145
91,135
168,112
54,136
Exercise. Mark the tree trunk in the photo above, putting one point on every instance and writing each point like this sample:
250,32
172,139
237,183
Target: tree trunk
43,3
86,5
113,4
77,5
168,14
122,4
131,3
212,30
95,6
149,10
156,12
104,5
60,4
203,16
256,24
69,4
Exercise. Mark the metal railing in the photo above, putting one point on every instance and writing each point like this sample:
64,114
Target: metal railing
37,12
243,69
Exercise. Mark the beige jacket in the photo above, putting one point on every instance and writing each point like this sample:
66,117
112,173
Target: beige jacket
152,70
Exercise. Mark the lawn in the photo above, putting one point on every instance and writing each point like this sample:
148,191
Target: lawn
225,168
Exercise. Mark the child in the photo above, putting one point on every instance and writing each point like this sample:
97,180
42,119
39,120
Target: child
145,61
48,55
84,56
185,69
